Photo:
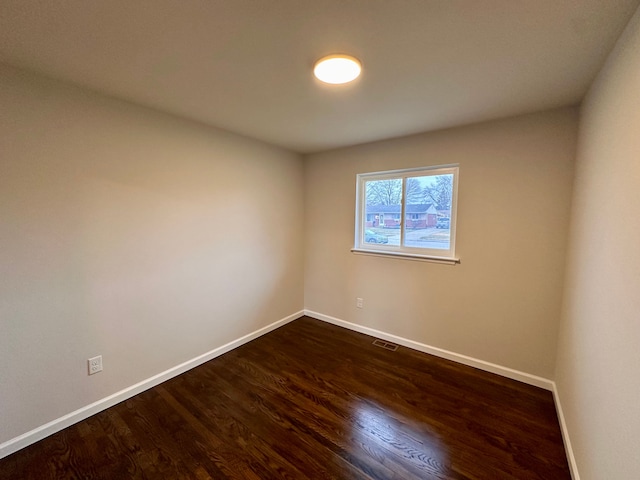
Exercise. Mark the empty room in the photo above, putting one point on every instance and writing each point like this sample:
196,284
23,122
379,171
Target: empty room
320,239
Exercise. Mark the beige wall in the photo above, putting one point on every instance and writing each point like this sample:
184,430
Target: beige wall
502,303
134,235
598,373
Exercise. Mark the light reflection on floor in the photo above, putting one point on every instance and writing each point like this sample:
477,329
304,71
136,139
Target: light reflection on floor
389,433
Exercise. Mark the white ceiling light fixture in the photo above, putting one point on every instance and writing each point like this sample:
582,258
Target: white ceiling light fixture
337,69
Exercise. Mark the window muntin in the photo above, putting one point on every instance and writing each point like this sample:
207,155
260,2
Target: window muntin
407,212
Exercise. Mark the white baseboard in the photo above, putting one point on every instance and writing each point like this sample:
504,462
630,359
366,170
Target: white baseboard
26,439
439,352
573,466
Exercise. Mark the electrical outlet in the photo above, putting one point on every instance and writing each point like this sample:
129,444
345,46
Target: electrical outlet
95,364
359,303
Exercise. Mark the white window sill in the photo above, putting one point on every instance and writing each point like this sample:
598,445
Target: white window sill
407,256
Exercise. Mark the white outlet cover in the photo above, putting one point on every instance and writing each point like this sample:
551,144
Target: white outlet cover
95,364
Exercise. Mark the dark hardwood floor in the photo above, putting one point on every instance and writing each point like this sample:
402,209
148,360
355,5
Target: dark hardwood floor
312,400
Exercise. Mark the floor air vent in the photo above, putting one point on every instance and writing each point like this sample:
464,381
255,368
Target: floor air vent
382,344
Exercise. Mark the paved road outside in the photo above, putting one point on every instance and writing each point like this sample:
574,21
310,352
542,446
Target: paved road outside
422,238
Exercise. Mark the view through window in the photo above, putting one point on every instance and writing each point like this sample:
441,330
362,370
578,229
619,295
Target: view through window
411,211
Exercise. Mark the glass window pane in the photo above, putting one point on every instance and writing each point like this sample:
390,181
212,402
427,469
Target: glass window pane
428,211
383,204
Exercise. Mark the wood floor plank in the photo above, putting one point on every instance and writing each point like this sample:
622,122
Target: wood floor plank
363,399
279,422
312,400
332,425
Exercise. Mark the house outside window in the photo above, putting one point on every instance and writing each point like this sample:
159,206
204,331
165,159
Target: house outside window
426,198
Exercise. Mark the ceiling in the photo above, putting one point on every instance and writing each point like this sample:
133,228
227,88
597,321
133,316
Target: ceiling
246,65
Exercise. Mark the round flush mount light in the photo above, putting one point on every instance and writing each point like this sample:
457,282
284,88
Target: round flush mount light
337,69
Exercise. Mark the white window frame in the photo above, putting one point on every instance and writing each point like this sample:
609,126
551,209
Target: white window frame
415,253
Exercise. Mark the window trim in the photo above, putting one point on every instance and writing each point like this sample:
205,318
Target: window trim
412,253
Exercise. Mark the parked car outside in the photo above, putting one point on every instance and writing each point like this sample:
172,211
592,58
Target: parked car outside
443,222
372,237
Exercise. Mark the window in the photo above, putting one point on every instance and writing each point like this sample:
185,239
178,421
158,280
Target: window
424,197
